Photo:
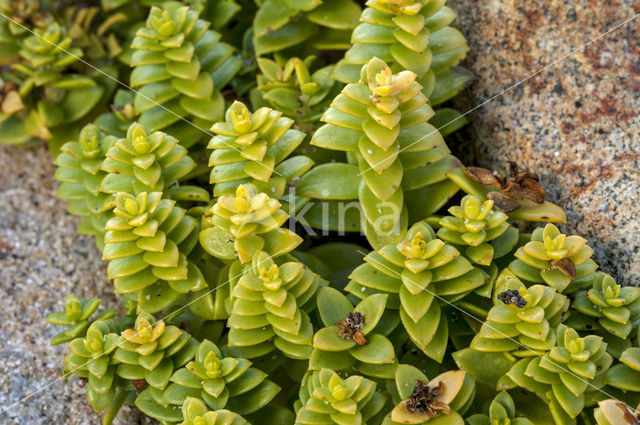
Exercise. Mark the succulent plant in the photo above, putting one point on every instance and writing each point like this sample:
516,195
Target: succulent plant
80,173
242,225
92,357
195,413
230,316
117,121
562,262
573,368
523,320
410,35
148,242
92,32
502,411
615,412
269,306
419,400
614,307
325,24
53,97
381,123
328,399
180,66
348,339
417,275
24,15
145,162
77,318
481,229
149,354
625,375
291,87
253,148
219,382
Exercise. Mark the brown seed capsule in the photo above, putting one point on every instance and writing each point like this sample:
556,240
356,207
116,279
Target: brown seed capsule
424,399
350,328
565,266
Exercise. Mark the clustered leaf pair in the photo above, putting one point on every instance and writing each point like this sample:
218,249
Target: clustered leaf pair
251,117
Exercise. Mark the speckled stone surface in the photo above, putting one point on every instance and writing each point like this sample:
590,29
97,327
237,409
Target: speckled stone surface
42,259
576,124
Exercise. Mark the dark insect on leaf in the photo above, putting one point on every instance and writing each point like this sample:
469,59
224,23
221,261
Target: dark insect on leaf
355,320
566,266
503,203
424,399
512,296
350,328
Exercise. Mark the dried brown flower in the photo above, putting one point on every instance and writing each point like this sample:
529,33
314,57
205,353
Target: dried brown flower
503,203
483,176
631,417
424,399
565,266
350,328
518,184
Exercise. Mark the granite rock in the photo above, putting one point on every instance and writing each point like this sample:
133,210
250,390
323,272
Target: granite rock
42,259
575,123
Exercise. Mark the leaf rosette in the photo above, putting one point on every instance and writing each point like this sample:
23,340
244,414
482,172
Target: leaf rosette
418,275
478,227
419,400
326,398
523,320
147,243
562,262
218,382
179,68
614,307
269,308
245,223
255,148
410,35
381,122
349,338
